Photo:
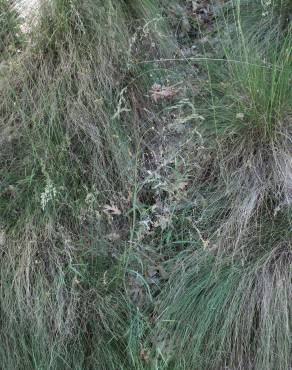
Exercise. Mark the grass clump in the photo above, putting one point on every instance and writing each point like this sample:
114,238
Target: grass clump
228,310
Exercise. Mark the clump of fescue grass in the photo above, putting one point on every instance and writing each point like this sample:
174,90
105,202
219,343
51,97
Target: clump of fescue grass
245,133
251,126
232,312
58,310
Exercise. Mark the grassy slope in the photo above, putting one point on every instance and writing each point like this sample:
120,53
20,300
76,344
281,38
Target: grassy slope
125,246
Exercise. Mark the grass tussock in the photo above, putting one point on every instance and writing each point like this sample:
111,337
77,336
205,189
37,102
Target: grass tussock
145,194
